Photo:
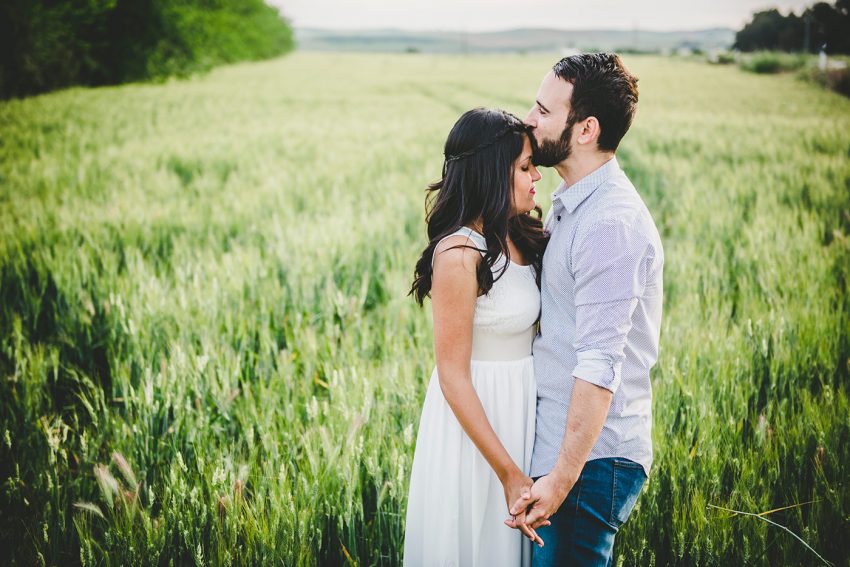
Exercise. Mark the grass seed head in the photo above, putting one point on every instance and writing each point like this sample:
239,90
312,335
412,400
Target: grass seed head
89,507
126,470
107,483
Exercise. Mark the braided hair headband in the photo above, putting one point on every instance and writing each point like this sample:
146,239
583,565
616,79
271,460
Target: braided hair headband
509,128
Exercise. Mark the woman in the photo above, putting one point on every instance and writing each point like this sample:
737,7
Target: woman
482,269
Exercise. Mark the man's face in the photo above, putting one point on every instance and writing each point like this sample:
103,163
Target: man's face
549,120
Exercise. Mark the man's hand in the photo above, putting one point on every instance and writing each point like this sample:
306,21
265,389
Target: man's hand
547,495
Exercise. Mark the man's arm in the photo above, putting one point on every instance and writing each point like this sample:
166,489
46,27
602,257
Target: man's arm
588,409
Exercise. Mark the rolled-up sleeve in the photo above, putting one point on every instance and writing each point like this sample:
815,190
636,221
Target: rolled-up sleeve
610,264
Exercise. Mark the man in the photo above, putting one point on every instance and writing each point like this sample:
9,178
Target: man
601,318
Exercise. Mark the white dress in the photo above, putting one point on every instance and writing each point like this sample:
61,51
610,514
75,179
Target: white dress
456,504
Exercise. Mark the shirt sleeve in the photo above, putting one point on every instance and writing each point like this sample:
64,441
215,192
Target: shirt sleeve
610,265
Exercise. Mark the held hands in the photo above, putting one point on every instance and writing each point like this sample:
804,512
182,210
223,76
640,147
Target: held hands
517,489
546,496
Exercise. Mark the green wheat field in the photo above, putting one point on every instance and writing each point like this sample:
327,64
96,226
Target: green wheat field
207,353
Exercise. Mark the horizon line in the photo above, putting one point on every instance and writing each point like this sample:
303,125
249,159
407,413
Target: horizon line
505,30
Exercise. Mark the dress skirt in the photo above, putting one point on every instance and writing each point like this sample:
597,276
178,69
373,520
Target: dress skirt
456,504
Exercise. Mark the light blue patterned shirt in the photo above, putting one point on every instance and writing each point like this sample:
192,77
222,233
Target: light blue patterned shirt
600,315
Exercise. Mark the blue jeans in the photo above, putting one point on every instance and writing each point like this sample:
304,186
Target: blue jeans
583,529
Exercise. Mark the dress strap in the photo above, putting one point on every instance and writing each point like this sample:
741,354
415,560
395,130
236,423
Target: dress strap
477,240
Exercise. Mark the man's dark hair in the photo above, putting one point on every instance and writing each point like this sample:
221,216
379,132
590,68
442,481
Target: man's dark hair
602,87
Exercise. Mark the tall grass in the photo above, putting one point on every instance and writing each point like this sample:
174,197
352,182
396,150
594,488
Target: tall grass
767,62
208,355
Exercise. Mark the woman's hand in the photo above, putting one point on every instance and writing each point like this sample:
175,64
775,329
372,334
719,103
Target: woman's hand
518,486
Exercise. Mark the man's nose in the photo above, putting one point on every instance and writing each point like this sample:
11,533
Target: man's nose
531,119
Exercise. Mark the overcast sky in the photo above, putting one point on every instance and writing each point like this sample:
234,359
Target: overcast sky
489,15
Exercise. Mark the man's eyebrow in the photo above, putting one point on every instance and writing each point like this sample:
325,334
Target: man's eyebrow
540,104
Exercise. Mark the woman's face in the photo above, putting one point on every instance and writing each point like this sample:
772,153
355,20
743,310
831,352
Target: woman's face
525,175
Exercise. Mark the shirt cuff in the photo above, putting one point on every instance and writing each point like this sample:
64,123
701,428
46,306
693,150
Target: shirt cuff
596,368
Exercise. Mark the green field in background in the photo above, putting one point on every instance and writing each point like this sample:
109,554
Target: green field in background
209,278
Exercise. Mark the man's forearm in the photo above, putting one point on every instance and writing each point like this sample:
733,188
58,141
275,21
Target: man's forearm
589,406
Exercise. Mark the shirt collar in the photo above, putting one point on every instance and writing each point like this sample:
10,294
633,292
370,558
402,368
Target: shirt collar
574,195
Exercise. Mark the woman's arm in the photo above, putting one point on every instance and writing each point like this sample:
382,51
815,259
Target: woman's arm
454,292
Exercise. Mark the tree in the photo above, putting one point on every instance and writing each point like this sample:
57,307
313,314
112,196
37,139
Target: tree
45,44
770,30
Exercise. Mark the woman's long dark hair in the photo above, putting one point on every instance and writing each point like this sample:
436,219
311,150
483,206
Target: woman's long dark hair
477,183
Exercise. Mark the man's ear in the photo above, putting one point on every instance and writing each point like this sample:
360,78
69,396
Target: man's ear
589,130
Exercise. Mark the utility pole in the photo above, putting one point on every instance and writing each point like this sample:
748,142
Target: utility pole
635,44
808,35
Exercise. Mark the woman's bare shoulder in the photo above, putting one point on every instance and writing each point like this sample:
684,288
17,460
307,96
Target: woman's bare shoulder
456,255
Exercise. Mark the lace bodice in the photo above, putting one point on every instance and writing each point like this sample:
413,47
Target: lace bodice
504,322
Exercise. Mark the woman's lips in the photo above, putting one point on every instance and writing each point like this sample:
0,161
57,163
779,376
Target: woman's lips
532,191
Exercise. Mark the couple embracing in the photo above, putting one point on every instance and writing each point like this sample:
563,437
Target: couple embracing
536,422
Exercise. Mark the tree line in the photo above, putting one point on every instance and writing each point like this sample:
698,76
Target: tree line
50,44
820,25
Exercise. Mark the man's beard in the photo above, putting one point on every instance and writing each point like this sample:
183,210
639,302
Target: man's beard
550,153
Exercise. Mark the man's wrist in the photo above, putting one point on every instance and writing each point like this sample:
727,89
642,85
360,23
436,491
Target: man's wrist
564,475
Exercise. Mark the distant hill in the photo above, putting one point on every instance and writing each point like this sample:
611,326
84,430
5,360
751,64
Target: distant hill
517,40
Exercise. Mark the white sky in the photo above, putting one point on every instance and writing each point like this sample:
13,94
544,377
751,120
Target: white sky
489,15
